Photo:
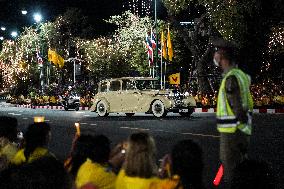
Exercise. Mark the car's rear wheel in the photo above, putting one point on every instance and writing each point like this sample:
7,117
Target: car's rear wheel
187,114
129,114
158,109
102,109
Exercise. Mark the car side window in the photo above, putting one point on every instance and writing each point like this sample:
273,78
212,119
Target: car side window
104,87
114,86
128,85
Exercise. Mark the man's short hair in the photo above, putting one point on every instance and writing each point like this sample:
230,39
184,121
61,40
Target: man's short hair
227,49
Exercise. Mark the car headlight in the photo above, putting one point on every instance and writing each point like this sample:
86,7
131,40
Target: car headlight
186,94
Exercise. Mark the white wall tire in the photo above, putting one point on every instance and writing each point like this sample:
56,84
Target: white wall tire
158,109
102,109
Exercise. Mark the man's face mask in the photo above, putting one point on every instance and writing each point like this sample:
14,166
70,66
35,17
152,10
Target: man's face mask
216,62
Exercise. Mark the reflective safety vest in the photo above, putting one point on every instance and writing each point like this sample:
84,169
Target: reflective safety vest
226,119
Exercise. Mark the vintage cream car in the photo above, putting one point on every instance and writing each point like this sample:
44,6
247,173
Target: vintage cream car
139,94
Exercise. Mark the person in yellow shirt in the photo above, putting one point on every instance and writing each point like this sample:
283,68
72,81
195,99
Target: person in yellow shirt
36,140
8,138
139,169
95,169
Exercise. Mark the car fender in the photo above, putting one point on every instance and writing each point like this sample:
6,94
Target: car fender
190,101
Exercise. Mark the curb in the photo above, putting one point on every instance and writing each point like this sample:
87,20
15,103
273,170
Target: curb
196,110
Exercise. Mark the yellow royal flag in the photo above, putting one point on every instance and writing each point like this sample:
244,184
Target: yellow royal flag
174,79
170,46
52,56
60,61
55,58
164,46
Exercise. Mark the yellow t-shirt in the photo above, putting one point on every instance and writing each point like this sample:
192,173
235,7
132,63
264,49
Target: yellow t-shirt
126,182
37,153
98,175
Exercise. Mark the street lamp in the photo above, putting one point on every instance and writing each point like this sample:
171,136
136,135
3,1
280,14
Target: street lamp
14,34
24,12
37,17
1,38
3,28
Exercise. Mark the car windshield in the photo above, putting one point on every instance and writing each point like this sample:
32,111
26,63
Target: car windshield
147,84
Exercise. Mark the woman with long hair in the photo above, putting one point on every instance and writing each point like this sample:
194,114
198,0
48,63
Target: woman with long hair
139,169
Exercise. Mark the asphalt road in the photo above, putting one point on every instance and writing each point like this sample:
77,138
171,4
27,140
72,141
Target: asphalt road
266,143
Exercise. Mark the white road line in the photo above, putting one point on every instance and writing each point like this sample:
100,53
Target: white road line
93,124
17,114
203,135
79,112
86,115
11,113
125,127
25,118
47,120
83,123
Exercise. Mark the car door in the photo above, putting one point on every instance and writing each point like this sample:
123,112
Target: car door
130,96
114,96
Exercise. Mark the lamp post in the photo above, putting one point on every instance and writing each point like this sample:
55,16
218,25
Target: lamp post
37,18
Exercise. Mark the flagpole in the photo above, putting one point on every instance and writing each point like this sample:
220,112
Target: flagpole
161,75
152,56
157,37
165,74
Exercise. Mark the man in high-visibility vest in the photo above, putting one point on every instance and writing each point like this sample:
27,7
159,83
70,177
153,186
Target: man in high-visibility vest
234,108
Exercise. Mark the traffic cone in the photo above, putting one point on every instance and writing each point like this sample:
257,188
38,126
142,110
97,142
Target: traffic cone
219,175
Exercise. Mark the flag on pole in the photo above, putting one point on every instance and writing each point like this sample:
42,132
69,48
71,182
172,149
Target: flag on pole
39,58
163,45
55,58
174,79
60,61
51,56
149,50
170,46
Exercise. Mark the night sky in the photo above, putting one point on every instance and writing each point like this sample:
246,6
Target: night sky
96,10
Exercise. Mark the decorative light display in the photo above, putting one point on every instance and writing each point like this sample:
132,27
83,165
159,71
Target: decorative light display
139,7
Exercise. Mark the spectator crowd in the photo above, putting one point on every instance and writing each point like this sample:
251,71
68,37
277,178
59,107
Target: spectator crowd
26,162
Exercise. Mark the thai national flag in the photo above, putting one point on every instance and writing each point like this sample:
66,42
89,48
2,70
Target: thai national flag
39,58
153,40
149,49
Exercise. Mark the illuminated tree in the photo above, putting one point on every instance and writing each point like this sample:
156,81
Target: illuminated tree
247,23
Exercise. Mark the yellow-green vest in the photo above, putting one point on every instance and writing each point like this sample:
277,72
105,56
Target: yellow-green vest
226,119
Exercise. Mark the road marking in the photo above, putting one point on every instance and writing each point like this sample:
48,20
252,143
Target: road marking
93,124
203,135
25,118
79,112
87,115
47,120
125,127
83,123
17,114
135,128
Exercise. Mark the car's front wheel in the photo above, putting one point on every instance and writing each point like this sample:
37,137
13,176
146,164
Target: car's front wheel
102,109
158,109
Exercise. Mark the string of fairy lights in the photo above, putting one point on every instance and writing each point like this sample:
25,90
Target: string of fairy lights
139,7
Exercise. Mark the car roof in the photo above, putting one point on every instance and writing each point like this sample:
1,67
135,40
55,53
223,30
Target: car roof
131,78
